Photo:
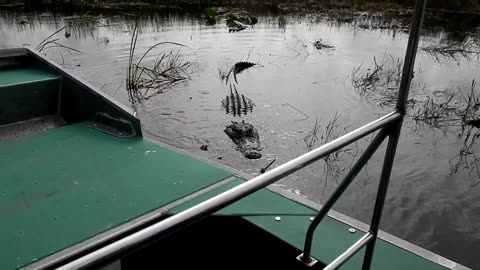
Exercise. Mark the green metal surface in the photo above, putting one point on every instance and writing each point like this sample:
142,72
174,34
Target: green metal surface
332,237
24,75
20,102
65,185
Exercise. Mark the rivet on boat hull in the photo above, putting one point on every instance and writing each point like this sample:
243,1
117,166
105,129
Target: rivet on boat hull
352,230
310,262
278,218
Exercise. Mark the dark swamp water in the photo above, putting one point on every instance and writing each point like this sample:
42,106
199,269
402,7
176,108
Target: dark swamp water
433,196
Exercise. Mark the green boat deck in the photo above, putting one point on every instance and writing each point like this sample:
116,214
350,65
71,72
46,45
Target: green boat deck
63,186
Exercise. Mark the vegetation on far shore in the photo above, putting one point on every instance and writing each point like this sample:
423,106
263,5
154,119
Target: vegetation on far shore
311,5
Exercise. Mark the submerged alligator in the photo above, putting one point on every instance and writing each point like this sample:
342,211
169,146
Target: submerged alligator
245,136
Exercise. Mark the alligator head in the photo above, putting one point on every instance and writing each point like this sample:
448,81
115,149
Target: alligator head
245,136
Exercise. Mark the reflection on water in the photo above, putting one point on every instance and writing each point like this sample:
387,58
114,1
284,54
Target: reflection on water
296,89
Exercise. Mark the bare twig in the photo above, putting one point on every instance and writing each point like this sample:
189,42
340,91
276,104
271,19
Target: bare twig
306,116
453,50
311,138
264,169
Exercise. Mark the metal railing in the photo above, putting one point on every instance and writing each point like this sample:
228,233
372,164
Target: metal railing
388,126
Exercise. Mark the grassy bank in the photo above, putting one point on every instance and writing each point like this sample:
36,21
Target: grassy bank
444,5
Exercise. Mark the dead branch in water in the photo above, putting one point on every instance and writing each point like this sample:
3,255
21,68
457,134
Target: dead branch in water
291,106
453,50
264,169
54,43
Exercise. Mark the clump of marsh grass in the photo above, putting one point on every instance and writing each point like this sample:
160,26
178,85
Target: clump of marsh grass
459,109
144,80
311,138
470,111
334,163
468,158
449,108
379,81
435,112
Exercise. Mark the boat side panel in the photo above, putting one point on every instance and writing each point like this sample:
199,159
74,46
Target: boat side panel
80,101
24,101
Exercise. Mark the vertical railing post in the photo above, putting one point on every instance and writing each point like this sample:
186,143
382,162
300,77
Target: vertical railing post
394,135
382,192
408,63
357,167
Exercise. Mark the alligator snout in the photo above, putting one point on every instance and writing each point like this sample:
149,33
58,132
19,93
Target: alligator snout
246,137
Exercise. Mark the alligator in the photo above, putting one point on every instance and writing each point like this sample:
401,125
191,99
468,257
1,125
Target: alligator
245,136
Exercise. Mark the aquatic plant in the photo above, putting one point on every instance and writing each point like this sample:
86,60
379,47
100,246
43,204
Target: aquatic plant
468,157
145,81
311,138
210,15
435,112
470,111
448,108
335,163
51,42
379,81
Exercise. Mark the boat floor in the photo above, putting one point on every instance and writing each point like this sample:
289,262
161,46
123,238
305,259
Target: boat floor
64,186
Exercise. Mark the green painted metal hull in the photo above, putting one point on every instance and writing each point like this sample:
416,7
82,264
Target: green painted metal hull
70,189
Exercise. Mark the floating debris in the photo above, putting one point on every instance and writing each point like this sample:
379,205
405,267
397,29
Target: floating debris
264,169
319,44
238,23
